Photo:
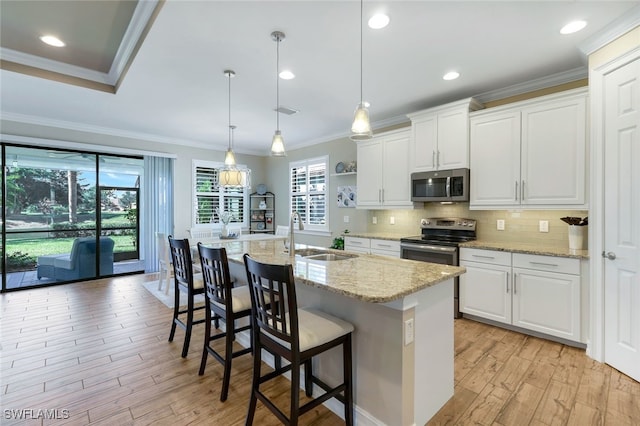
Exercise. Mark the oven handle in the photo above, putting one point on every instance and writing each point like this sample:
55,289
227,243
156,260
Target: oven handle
426,248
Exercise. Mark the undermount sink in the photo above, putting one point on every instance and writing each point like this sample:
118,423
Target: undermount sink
322,255
329,257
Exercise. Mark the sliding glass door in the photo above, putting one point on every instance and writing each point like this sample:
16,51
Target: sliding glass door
68,216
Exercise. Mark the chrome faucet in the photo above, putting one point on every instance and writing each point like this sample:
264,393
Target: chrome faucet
292,246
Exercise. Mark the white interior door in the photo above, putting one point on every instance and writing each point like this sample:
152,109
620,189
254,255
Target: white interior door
622,219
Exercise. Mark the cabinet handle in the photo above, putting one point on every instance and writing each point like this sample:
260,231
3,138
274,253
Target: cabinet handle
438,158
515,281
433,159
383,195
545,264
522,191
482,257
379,195
383,245
516,191
507,282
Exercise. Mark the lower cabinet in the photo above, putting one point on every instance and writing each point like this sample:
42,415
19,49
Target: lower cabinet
372,246
538,293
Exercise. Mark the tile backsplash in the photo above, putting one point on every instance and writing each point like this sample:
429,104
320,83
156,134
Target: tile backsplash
520,225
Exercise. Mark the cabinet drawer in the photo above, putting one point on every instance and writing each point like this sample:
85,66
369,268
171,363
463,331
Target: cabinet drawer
486,256
357,242
387,245
562,265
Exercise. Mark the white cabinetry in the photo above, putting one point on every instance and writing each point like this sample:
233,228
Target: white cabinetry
440,136
485,290
533,292
383,178
530,154
372,246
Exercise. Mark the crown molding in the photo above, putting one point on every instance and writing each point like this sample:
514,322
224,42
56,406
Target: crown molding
615,29
532,85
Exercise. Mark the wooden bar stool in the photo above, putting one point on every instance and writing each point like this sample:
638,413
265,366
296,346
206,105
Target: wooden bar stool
297,335
223,302
184,281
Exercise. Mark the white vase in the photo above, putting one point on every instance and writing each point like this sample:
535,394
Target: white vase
577,237
225,231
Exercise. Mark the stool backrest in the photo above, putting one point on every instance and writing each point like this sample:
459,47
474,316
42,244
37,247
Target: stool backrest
216,276
273,300
182,264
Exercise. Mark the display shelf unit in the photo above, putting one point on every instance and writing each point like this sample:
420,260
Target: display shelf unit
262,213
344,174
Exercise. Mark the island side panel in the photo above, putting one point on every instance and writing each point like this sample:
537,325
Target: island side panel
434,350
378,353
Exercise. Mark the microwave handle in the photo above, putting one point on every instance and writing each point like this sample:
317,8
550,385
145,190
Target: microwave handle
448,186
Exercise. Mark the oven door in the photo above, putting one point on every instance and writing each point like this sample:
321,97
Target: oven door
444,255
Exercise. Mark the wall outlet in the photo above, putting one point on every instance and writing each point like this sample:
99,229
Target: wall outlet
374,220
392,220
543,226
409,332
346,219
500,224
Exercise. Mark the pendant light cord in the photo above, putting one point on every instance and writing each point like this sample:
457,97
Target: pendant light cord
361,14
277,82
230,138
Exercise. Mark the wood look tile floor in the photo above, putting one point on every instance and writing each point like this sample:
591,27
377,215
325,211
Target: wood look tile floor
98,353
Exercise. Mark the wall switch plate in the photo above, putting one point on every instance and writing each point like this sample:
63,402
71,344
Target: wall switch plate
374,220
543,226
346,219
392,220
409,332
500,224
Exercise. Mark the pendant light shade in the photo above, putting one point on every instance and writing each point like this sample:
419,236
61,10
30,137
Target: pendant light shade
361,127
277,142
230,178
229,157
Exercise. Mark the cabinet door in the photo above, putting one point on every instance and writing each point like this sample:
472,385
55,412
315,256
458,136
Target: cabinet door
369,178
424,144
553,152
495,159
485,291
547,302
396,179
453,139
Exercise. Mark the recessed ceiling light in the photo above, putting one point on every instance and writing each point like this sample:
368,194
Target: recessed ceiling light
52,41
573,27
379,20
451,75
287,75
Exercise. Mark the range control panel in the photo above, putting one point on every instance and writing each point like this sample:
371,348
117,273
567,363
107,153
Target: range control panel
448,223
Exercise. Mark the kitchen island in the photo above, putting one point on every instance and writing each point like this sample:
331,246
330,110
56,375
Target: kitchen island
402,311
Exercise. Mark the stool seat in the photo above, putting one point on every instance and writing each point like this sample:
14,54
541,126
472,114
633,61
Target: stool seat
316,328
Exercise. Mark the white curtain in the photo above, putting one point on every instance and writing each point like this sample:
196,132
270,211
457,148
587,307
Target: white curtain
157,206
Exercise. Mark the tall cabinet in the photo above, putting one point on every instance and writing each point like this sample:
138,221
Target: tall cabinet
262,213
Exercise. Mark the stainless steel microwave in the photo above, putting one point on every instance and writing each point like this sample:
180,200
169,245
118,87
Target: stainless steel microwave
440,186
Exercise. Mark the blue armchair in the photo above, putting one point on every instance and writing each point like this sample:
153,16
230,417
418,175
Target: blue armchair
80,263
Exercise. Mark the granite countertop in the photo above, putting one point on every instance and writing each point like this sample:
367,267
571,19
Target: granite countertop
527,248
370,278
377,235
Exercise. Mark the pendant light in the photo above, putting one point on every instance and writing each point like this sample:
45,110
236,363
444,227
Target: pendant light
361,127
277,143
230,176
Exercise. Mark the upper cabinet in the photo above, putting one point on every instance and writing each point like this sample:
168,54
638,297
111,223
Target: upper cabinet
383,171
530,154
440,136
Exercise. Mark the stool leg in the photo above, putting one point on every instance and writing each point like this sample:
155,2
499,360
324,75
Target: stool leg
228,357
295,392
348,380
308,378
207,339
187,334
176,308
255,384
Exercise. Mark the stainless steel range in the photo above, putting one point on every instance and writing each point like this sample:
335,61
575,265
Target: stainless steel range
439,243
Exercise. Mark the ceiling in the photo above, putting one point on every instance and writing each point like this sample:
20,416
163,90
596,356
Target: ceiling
154,70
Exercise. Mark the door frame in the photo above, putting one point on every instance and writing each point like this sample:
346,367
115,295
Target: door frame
595,344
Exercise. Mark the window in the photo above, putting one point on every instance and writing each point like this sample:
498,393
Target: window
308,192
208,196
